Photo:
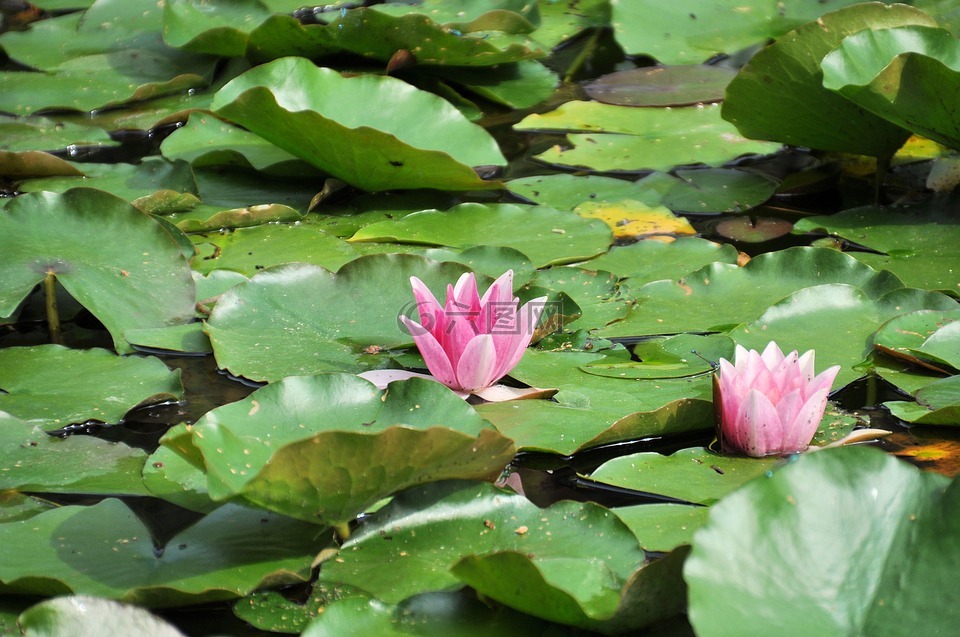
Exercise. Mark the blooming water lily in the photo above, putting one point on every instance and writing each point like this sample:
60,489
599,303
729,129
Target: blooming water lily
470,342
769,403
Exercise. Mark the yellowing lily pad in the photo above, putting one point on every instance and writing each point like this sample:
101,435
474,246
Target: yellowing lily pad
631,219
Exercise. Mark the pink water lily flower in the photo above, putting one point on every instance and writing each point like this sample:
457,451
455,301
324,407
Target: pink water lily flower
470,342
769,403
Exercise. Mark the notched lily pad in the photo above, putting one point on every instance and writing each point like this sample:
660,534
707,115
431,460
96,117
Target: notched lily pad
906,337
322,448
311,113
54,386
681,85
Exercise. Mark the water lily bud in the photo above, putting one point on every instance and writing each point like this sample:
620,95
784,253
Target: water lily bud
769,403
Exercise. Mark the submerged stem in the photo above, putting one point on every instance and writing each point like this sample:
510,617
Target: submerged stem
53,316
585,53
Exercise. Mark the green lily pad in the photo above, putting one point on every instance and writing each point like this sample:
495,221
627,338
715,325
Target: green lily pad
779,94
919,243
647,261
896,573
718,190
373,34
591,410
566,192
43,133
545,235
480,536
16,506
54,386
709,300
753,229
663,527
206,218
695,474
34,163
137,279
518,85
105,550
681,356
596,293
126,181
38,463
300,319
171,477
75,615
797,322
448,614
905,337
215,27
689,31
207,141
682,85
187,338
310,112
938,403
249,250
271,611
625,138
323,448
894,72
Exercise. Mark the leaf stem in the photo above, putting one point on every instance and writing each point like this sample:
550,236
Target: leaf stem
585,53
53,315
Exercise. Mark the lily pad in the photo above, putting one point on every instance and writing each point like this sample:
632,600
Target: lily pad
448,614
629,219
596,294
373,34
76,615
625,138
753,229
662,85
663,527
249,250
919,243
126,181
545,235
310,112
717,190
137,279
42,133
467,534
322,448
35,462
695,474
207,141
270,610
894,73
105,550
708,300
300,319
903,549
905,337
54,386
938,403
565,192
647,261
797,322
779,94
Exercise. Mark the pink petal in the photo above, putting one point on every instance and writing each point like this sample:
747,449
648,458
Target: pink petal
823,382
464,296
477,367
434,357
430,310
805,364
798,434
500,290
757,430
772,355
511,347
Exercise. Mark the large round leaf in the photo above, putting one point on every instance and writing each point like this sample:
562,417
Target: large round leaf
35,462
135,277
460,533
420,141
899,75
322,448
545,235
54,386
720,296
779,94
797,322
105,550
81,615
917,243
300,319
938,403
842,542
626,138
647,261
